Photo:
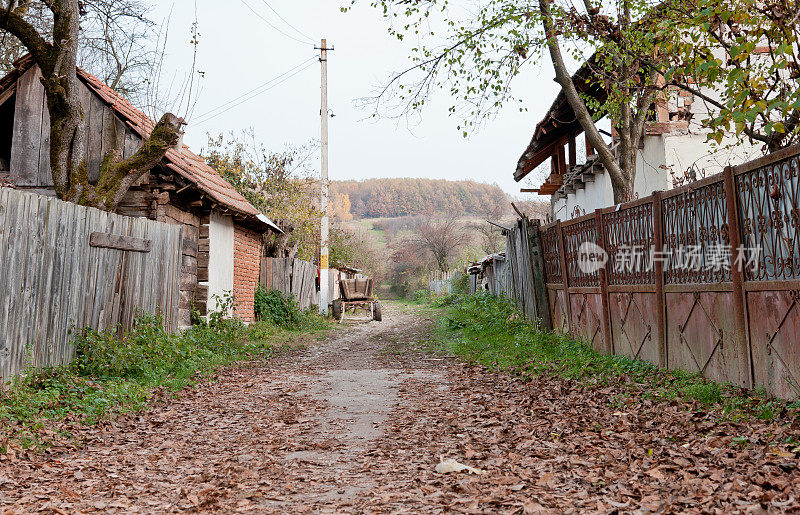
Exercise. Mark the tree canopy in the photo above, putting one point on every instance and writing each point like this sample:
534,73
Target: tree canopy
379,198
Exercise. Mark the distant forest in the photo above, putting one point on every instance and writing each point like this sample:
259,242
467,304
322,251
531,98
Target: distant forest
379,198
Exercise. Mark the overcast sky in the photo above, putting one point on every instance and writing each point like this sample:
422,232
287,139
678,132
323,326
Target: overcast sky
239,51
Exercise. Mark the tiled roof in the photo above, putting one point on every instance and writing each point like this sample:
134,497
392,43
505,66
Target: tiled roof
184,162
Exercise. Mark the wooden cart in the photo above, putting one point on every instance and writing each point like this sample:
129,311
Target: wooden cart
356,294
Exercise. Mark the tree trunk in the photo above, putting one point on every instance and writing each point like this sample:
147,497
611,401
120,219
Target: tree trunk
621,181
58,64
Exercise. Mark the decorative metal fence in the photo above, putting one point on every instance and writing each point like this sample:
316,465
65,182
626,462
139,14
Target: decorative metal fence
717,288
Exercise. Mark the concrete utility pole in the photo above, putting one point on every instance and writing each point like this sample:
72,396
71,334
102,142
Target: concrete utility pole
324,288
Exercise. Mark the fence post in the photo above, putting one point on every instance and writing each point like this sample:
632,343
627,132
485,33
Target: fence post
608,337
541,300
742,338
564,275
658,270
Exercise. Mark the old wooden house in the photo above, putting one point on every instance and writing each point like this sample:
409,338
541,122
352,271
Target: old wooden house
223,232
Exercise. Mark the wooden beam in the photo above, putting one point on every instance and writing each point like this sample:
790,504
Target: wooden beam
562,160
589,147
119,242
5,95
529,190
572,150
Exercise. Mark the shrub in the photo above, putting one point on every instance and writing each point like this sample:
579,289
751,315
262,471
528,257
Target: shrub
461,284
283,311
421,296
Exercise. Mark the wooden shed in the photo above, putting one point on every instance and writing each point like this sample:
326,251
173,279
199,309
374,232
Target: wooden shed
223,232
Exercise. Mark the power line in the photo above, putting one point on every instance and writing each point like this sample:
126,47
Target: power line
310,39
272,25
254,90
208,117
267,83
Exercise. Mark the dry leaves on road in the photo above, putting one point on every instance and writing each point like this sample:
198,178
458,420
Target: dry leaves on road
308,434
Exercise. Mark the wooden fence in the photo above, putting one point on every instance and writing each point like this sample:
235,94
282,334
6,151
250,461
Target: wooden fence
732,315
441,283
65,267
298,278
525,271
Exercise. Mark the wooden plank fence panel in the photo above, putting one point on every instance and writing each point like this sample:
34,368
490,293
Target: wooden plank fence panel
55,283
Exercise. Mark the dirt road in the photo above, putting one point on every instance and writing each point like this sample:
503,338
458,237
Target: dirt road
357,424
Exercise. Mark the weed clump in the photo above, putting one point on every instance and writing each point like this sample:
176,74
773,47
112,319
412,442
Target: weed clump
283,311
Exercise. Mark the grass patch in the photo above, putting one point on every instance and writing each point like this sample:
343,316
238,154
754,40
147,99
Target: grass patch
114,374
488,330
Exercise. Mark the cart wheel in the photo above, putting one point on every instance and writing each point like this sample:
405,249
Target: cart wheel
376,312
336,309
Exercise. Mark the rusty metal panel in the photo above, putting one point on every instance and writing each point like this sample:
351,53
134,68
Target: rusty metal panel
558,310
575,235
769,218
634,325
552,260
587,319
696,217
702,335
774,330
629,229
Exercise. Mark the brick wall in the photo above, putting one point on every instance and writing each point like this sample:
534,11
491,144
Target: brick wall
247,265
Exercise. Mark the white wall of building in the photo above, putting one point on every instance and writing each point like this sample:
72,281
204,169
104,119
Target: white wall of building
594,195
651,174
220,258
691,149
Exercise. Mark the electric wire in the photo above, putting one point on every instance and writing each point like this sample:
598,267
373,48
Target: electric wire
310,39
273,25
255,92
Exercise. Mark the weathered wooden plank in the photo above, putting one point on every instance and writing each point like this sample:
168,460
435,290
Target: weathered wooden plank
55,282
94,150
73,277
45,173
105,257
120,242
64,257
5,294
27,128
113,132
13,279
132,143
36,274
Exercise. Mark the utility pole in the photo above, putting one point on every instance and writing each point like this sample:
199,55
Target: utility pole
324,287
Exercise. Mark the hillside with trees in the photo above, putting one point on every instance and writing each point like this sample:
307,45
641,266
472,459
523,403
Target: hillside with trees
390,198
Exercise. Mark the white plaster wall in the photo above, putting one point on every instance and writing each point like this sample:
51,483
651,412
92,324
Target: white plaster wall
594,195
690,149
651,174
220,257
560,209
